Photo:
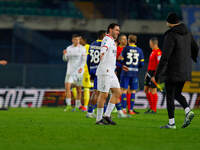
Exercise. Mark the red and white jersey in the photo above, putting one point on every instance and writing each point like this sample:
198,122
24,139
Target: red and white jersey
76,57
107,64
154,59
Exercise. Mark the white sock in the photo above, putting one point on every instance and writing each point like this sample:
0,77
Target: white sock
109,109
120,111
187,110
78,103
68,101
171,121
99,114
86,107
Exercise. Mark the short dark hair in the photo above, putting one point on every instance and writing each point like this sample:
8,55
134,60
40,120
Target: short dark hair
112,26
75,36
154,40
101,34
132,38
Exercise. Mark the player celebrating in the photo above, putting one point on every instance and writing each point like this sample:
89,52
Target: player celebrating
93,60
150,88
106,77
75,54
132,60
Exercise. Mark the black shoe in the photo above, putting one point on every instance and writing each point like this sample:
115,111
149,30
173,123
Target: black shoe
148,111
169,126
136,112
3,108
101,122
109,120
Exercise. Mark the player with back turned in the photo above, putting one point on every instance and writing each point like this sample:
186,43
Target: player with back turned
132,60
93,60
150,88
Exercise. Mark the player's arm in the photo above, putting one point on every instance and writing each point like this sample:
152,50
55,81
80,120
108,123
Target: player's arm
3,62
64,55
123,61
88,61
83,59
194,49
141,59
168,47
104,48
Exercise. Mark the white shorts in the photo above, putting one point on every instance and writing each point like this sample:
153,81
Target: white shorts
106,82
74,79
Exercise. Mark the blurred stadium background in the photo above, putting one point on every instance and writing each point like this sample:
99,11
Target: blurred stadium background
33,34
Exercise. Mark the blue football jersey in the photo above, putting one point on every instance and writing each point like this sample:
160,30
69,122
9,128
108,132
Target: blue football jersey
133,58
93,58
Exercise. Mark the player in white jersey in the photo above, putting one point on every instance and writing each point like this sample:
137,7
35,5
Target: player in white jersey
106,77
75,55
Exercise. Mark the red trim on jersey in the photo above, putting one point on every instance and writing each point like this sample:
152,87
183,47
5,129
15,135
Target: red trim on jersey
105,46
109,36
154,59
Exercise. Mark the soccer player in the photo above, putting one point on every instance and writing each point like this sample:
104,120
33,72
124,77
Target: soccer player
75,54
106,77
150,88
93,60
86,77
132,61
122,44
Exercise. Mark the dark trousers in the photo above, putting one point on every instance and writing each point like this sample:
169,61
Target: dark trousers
173,91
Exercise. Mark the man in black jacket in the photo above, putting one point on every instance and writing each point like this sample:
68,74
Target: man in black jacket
175,67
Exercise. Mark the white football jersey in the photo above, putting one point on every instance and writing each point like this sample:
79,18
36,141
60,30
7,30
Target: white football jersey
76,57
107,64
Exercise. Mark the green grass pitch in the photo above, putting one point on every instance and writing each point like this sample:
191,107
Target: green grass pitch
54,129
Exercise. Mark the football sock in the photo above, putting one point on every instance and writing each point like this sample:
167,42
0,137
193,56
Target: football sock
124,101
132,101
68,101
187,110
148,95
86,96
78,103
128,100
105,107
109,109
171,121
118,106
99,114
90,108
154,99
74,92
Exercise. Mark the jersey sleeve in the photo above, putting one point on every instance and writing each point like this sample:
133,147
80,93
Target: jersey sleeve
105,45
83,57
65,58
141,59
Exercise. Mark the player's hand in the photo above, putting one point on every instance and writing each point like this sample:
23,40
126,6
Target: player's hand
80,70
120,58
153,79
64,51
101,56
3,62
125,68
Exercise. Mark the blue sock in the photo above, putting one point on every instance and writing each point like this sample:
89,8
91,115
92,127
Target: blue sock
118,106
94,106
105,107
90,108
124,101
132,100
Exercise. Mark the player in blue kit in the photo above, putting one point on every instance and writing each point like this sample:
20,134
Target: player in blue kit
93,60
132,61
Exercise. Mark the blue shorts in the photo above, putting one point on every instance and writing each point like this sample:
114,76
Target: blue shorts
126,81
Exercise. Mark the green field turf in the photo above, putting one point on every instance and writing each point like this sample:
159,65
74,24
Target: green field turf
53,129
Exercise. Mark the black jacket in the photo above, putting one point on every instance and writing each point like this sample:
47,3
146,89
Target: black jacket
178,48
